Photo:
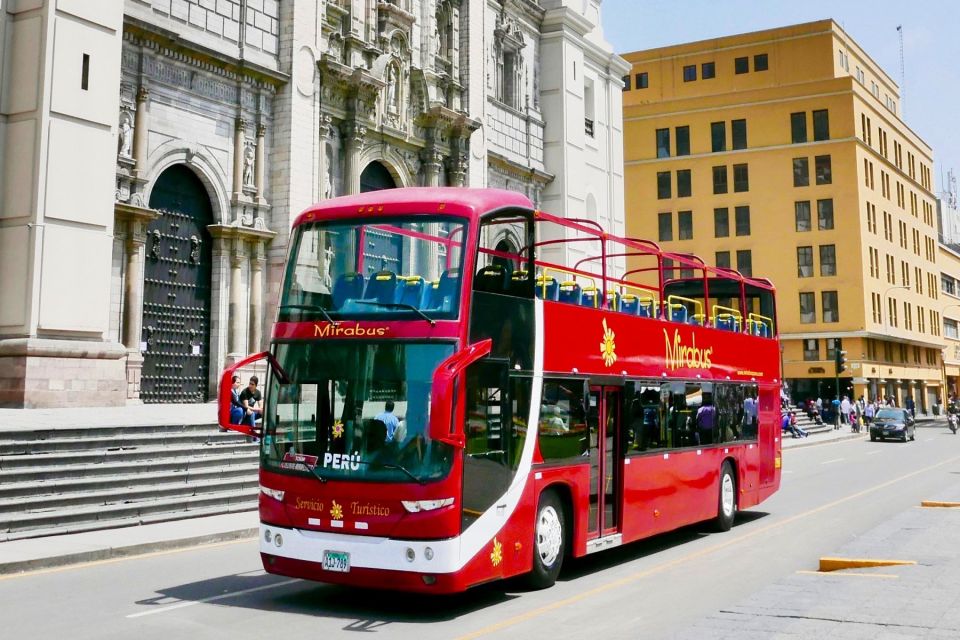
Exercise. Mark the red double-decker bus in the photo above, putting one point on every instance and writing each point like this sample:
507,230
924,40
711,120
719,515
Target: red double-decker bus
462,388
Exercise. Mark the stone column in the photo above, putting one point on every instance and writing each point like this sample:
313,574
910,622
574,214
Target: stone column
239,146
353,135
457,170
260,162
257,260
432,161
141,129
324,173
236,265
430,257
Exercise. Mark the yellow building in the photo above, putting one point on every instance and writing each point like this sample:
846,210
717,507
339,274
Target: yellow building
949,263
782,153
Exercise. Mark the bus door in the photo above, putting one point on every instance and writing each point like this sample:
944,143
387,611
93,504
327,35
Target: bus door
606,456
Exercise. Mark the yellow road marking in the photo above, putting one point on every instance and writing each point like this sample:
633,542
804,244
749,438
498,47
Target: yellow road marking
889,576
139,556
523,617
838,564
937,503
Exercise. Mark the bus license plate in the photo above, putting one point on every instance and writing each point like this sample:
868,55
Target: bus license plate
338,561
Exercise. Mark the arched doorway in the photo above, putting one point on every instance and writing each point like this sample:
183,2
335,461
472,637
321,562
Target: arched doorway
376,177
382,250
176,291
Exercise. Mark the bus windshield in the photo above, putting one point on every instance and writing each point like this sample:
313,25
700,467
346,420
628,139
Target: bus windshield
356,411
389,267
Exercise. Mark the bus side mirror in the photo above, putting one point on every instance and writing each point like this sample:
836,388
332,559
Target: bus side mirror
446,391
230,417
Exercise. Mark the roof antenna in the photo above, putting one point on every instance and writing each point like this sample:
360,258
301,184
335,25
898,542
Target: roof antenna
903,77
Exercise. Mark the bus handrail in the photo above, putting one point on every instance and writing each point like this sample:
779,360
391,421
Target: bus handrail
757,320
697,304
718,310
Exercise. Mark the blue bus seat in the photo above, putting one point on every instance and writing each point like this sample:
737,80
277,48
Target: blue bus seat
551,285
613,300
410,291
590,298
493,278
629,303
347,285
678,313
647,309
570,292
726,322
382,287
443,295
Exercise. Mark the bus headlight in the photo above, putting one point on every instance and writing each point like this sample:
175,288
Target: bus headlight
414,506
276,494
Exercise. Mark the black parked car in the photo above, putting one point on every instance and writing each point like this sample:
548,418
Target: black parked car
892,423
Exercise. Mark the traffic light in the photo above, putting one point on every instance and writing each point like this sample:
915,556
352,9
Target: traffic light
841,361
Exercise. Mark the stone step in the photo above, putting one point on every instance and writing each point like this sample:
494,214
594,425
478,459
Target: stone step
95,432
24,522
118,523
50,472
143,454
124,495
14,489
121,441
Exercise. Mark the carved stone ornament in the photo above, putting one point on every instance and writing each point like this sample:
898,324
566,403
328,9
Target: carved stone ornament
125,131
248,159
195,249
154,249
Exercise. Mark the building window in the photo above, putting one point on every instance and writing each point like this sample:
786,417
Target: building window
708,70
723,259
641,80
948,284
509,76
665,227
825,214
821,125
721,223
742,220
745,262
831,312
822,167
741,65
801,212
663,185
808,308
828,260
741,178
832,345
949,328
683,141
683,183
626,83
739,130
801,172
685,225
690,73
804,262
720,179
798,127
811,348
663,143
718,136
760,62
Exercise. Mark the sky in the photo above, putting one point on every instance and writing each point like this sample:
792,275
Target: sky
931,46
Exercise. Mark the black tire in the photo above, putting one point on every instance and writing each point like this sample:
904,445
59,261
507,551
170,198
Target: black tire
547,555
873,438
726,514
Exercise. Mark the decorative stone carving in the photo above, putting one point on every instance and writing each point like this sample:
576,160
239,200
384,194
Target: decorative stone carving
249,155
125,131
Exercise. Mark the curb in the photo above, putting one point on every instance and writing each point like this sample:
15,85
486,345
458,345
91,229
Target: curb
848,436
113,553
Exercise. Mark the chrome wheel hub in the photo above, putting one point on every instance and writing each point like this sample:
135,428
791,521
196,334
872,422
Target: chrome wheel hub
549,535
727,495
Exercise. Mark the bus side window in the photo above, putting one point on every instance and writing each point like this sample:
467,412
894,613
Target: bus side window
562,427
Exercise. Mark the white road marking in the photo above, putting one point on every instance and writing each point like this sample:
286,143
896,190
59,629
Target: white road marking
832,461
929,440
222,596
873,453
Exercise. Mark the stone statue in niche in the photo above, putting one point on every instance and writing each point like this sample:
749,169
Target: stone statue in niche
248,156
126,134
393,80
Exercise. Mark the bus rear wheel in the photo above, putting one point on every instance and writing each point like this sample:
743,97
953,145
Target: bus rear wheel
549,542
727,501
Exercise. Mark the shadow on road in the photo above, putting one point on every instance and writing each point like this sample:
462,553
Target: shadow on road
370,611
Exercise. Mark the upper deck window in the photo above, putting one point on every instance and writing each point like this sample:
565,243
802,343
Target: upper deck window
406,267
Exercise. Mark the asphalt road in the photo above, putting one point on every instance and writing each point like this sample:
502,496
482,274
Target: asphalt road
653,589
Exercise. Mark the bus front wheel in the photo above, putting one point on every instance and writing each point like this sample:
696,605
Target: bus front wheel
727,502
549,541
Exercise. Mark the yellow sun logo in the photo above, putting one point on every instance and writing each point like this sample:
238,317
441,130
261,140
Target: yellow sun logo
496,556
336,511
608,348
337,430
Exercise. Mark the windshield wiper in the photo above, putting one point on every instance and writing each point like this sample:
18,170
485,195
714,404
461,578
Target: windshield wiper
310,307
316,474
399,305
392,465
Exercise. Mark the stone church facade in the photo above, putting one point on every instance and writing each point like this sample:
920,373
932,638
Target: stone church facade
155,162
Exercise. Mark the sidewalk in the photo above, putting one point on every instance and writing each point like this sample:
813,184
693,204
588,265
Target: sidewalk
132,415
843,433
55,551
